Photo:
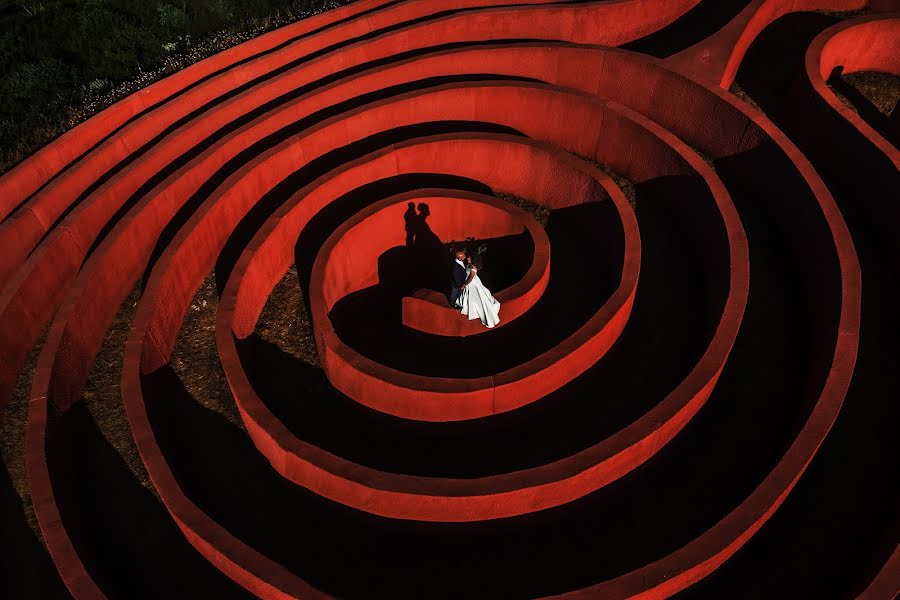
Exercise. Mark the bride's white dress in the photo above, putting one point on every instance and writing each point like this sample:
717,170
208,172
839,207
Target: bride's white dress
476,301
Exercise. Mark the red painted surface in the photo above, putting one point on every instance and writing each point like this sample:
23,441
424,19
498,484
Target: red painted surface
638,17
32,296
632,113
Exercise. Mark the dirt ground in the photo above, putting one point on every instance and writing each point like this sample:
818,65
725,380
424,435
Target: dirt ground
881,89
285,322
102,395
196,359
738,91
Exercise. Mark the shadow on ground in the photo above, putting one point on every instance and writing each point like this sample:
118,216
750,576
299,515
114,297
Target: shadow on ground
123,534
840,523
25,565
696,25
701,475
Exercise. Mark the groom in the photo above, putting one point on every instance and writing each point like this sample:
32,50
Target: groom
457,277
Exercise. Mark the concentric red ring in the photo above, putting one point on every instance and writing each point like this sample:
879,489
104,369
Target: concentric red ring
442,399
615,115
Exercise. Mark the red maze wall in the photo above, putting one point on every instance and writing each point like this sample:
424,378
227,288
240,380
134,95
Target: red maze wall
530,100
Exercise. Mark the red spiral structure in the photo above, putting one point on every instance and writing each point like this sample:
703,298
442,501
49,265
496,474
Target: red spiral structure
709,298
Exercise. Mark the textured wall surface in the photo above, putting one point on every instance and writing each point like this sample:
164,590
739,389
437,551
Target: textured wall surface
695,350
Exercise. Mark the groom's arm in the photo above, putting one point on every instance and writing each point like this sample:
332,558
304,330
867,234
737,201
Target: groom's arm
459,276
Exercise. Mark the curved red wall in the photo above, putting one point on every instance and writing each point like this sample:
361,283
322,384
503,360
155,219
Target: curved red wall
638,116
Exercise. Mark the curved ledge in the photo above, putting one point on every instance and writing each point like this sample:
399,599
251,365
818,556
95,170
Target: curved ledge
735,128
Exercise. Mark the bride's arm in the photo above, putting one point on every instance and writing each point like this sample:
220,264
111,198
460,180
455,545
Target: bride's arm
470,277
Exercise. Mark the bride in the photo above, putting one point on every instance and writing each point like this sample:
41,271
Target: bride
476,301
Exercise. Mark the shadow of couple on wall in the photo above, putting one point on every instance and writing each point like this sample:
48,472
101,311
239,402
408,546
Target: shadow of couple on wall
430,255
426,255
365,316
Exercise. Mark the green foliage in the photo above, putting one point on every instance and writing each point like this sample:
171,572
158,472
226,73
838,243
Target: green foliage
220,9
60,53
171,18
33,80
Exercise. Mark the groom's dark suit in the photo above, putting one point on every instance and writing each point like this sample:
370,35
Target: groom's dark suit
457,279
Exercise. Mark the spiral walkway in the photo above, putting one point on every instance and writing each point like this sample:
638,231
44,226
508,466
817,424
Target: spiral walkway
694,381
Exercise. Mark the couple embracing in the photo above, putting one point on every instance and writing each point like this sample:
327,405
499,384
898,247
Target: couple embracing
468,294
